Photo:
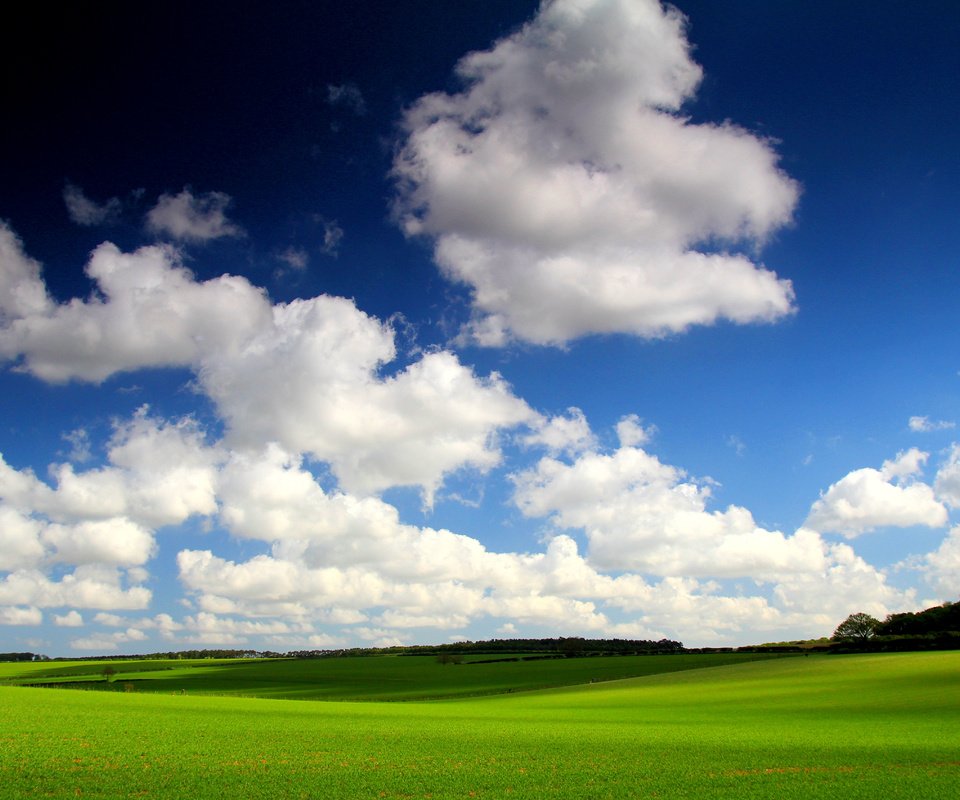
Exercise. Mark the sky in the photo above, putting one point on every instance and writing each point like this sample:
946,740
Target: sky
357,324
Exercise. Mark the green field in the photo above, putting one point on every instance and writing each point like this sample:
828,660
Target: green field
882,725
356,678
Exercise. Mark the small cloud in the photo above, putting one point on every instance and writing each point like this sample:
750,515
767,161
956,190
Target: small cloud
379,637
295,257
867,499
906,465
79,441
736,444
631,432
93,643
193,218
84,211
468,502
926,425
137,575
332,236
347,94
72,619
562,434
20,615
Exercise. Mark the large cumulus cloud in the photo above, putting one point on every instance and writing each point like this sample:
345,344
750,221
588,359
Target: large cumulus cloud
564,187
308,374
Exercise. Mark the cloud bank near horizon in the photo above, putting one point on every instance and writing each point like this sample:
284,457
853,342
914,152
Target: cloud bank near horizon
632,547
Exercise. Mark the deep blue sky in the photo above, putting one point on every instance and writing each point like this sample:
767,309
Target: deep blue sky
786,465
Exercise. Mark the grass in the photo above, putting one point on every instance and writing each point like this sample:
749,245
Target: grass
357,678
824,726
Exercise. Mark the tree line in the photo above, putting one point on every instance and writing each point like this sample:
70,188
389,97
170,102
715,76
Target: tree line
563,646
22,657
935,628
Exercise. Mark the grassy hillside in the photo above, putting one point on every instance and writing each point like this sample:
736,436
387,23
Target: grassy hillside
828,727
358,678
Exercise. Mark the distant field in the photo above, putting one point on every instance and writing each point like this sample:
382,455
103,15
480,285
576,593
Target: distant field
863,726
357,678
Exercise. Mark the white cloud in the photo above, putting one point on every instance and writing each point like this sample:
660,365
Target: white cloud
396,619
137,574
159,473
578,616
561,434
20,543
846,582
867,498
947,483
335,551
564,188
295,257
117,542
379,637
101,519
631,433
279,586
84,211
148,312
942,566
72,619
737,444
410,428
300,641
906,465
640,514
79,441
210,627
162,623
332,550
22,291
19,615
192,218
98,643
332,236
91,586
926,425
340,555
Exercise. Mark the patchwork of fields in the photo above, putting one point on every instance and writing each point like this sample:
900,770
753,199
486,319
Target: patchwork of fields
882,725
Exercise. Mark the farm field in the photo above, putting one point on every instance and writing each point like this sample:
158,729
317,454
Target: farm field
880,725
356,678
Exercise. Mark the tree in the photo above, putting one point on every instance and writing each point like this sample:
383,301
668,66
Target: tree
938,619
857,626
572,647
108,673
